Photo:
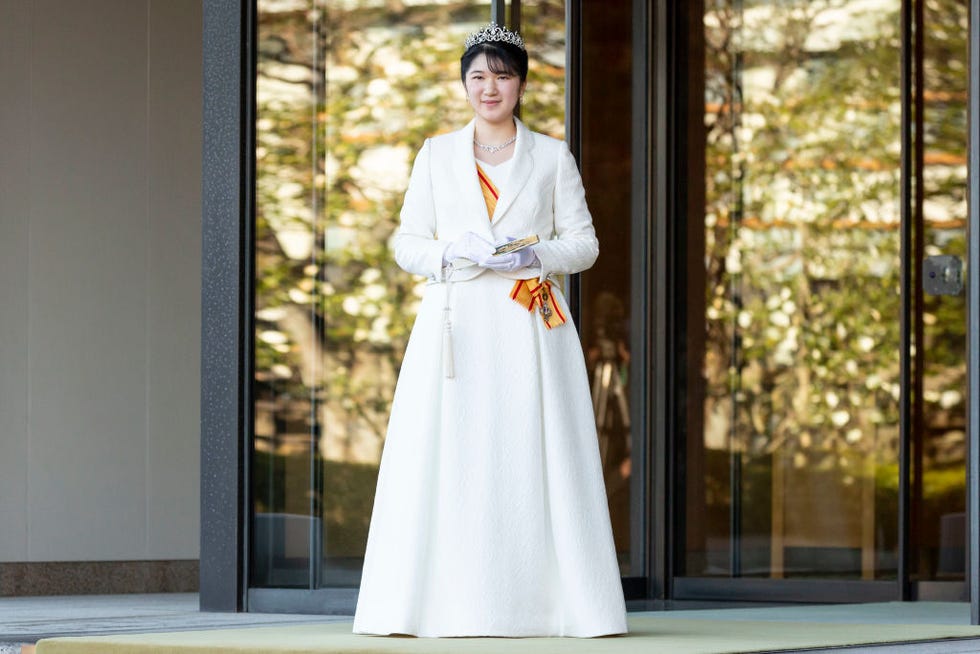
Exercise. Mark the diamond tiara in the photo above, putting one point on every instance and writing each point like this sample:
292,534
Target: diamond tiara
494,33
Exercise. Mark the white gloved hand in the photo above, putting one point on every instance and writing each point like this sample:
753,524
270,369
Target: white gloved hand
469,246
511,261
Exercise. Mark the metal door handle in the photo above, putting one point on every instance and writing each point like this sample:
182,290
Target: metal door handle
942,275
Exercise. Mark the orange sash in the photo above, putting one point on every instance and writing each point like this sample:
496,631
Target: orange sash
528,293
490,192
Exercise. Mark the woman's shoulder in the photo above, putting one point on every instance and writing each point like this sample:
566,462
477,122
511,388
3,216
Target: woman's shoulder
450,135
443,142
543,143
546,139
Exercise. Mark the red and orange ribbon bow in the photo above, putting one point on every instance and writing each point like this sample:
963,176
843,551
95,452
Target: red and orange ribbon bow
533,294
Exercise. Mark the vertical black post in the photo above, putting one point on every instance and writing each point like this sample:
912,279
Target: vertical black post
225,300
515,18
573,117
917,326
653,83
498,11
973,317
905,332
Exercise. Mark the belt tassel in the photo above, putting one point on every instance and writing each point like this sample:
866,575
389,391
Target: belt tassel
448,368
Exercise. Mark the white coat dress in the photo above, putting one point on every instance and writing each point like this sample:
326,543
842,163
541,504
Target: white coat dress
490,516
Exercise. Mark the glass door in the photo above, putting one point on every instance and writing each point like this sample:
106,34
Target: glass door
938,502
609,303
825,331
346,93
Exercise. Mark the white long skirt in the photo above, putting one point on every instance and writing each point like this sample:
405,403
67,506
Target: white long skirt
490,517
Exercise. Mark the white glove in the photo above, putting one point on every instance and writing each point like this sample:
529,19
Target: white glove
469,246
511,261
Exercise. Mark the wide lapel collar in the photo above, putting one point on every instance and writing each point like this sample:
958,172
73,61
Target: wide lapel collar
471,195
520,173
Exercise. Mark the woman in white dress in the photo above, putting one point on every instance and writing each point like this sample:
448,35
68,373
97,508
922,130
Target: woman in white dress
490,517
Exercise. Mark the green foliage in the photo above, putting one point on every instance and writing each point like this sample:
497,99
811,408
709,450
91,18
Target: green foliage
803,197
346,95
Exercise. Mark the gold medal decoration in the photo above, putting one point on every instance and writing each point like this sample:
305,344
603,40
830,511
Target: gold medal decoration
532,294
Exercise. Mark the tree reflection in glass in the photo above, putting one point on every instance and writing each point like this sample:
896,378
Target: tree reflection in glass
802,182
346,94
802,307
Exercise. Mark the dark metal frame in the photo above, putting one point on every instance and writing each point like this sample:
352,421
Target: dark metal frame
973,319
573,84
905,334
648,482
911,354
226,305
783,590
498,11
653,180
667,113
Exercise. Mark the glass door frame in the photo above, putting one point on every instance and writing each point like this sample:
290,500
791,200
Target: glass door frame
644,507
658,59
973,320
228,307
671,33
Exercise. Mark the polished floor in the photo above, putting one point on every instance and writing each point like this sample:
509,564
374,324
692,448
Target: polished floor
26,620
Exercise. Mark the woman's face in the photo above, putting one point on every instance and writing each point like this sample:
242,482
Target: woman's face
493,96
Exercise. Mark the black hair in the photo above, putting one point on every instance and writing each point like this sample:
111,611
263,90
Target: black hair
502,57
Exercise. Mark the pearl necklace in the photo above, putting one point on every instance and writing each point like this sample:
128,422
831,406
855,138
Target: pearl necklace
493,149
